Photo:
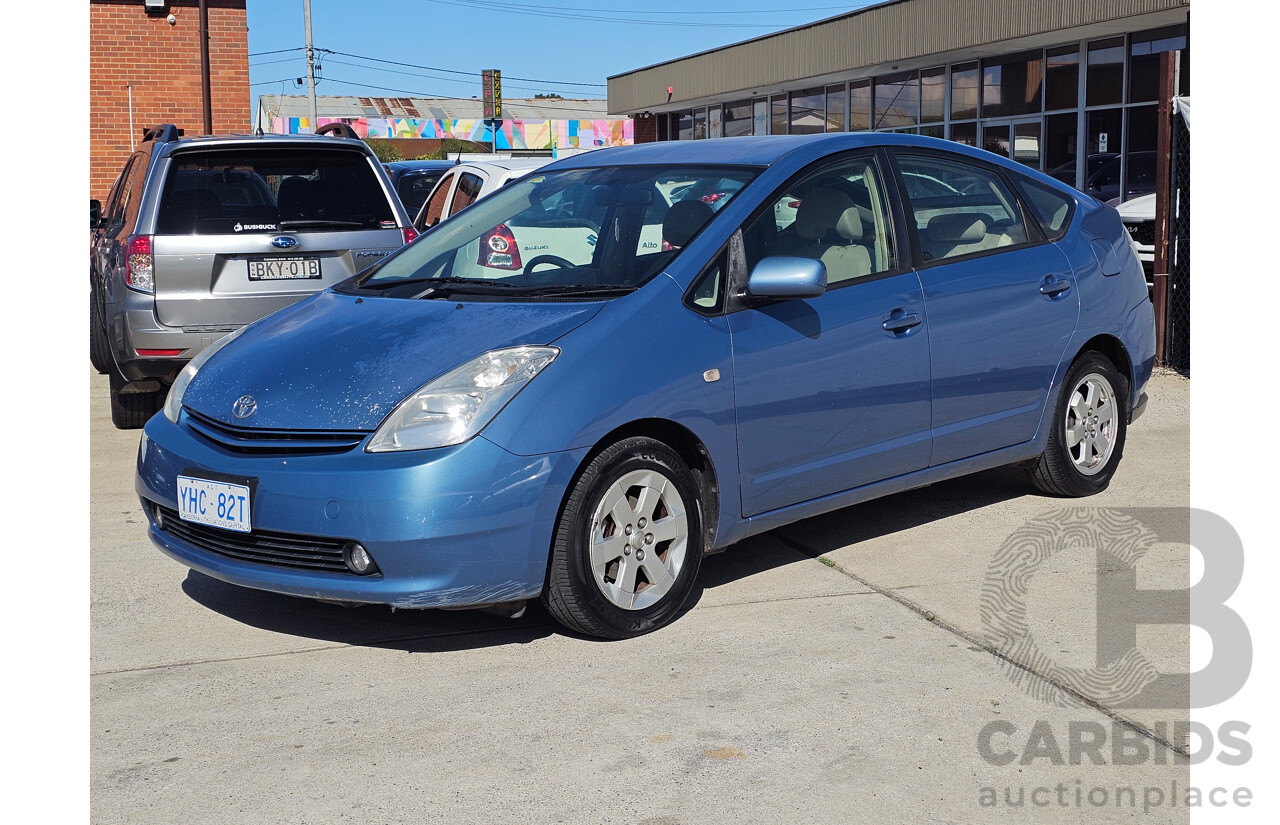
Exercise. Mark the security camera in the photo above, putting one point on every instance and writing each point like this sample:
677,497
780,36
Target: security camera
173,19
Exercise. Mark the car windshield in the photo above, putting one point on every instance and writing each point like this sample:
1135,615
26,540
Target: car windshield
236,191
601,231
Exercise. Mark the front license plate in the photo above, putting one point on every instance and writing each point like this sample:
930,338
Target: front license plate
282,269
215,503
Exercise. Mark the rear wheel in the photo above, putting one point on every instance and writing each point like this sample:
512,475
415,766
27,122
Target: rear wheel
99,350
628,543
131,410
1088,430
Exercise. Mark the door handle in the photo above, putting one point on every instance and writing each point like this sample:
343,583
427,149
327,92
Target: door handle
901,323
1054,288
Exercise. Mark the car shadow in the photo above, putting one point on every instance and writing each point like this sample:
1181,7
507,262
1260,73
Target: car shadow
434,631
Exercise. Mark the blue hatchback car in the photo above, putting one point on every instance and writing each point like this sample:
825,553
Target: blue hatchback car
715,338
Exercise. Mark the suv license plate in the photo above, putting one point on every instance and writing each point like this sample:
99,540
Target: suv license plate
214,503
280,269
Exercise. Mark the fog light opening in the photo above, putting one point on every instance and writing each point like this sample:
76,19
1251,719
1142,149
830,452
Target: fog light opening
358,559
158,516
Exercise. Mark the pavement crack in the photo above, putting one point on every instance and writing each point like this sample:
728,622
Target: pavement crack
982,644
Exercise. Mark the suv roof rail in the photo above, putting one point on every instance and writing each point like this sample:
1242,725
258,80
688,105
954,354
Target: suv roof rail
338,128
163,133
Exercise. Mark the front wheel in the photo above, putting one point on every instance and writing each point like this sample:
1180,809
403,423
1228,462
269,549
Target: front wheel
628,543
1087,432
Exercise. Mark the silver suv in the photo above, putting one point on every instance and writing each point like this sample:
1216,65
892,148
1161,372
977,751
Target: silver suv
200,236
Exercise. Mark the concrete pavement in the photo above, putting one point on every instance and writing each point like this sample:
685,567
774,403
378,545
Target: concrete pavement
831,671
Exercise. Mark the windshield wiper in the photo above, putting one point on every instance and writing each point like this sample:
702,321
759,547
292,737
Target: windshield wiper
578,289
316,223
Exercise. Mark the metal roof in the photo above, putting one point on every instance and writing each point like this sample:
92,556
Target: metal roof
513,108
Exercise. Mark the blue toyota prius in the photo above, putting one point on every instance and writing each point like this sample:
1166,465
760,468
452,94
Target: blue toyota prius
578,386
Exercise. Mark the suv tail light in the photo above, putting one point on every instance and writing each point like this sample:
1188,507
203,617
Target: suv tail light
139,269
410,234
498,249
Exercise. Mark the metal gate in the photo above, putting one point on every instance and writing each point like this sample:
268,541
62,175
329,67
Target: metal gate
1177,343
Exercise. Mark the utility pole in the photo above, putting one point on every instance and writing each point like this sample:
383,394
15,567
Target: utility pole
311,66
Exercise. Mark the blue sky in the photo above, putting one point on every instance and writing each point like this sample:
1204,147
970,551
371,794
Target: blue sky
576,43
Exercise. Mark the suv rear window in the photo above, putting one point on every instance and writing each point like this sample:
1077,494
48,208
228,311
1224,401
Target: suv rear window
264,190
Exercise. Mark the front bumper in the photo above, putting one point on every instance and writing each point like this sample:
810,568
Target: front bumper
452,527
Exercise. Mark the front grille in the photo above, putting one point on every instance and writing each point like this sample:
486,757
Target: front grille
1143,234
247,441
262,546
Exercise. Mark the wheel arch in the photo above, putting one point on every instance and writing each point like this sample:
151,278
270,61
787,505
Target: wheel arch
687,445
1114,350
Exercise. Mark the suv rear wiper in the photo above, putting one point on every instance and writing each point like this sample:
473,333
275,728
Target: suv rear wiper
317,223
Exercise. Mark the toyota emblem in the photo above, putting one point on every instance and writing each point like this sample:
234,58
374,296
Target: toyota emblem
244,406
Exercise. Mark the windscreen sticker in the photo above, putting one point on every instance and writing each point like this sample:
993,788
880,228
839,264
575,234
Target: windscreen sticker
388,224
242,227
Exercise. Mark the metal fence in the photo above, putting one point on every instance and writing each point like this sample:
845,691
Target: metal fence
1177,343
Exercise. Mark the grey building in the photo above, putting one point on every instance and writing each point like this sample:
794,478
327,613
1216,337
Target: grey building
1065,86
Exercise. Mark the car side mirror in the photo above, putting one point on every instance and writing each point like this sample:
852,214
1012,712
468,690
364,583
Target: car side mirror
95,214
786,277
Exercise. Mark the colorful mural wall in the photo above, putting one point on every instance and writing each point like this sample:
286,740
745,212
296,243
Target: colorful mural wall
512,134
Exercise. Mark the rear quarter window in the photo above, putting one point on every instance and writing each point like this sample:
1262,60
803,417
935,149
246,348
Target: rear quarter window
1050,207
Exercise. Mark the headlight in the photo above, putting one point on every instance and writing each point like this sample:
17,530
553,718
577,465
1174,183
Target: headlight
173,401
460,403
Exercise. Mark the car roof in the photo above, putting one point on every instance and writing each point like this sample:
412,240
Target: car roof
414,165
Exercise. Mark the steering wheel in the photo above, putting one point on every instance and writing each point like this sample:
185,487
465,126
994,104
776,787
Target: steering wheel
547,259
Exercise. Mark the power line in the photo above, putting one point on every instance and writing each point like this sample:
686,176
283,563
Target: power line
279,51
456,71
430,96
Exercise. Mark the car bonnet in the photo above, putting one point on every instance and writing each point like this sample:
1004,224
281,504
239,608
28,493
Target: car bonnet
339,362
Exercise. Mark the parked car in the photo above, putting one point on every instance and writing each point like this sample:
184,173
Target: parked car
413,180
1139,216
586,432
202,235
466,183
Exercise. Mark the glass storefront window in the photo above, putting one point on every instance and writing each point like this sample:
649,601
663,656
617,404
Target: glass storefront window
835,108
934,131
1144,60
778,115
966,133
860,106
1102,167
1062,78
897,100
1060,146
808,112
964,90
1105,72
1011,85
684,131
1026,143
699,124
1140,152
933,95
996,139
737,118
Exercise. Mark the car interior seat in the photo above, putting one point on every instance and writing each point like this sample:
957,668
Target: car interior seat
683,220
296,198
831,223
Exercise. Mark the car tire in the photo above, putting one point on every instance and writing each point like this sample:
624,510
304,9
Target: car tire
628,543
131,410
99,348
1087,430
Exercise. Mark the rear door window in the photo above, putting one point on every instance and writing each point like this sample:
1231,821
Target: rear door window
959,208
265,190
433,210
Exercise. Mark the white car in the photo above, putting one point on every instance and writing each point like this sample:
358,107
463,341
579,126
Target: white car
467,183
1139,216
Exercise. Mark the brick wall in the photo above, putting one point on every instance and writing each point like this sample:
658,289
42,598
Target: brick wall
162,63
